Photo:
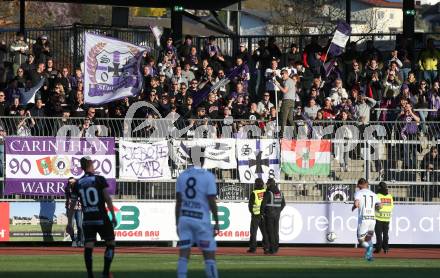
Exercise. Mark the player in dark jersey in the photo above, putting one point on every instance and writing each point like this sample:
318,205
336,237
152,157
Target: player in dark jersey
93,195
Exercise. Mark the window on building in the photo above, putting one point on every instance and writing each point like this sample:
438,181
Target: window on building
391,16
380,15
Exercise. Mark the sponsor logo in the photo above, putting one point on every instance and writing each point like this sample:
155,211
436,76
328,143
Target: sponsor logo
127,217
291,223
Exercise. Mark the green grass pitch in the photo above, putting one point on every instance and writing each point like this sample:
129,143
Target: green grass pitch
163,266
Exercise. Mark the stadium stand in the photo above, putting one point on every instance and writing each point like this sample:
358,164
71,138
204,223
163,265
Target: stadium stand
364,87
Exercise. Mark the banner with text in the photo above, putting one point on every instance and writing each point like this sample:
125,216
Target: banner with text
42,165
219,153
144,161
154,221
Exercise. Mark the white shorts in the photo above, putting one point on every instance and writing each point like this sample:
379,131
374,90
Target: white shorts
366,227
191,232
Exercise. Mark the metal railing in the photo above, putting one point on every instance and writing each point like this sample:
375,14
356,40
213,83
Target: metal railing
388,158
67,42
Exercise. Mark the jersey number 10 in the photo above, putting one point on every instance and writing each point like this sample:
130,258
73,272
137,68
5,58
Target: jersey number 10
89,196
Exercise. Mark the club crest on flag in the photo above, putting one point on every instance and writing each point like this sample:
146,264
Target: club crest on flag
44,165
111,69
305,157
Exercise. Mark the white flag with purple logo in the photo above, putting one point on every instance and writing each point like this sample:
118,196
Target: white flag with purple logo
111,69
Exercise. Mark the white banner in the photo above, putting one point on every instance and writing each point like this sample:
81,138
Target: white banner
258,159
144,161
219,153
299,223
111,69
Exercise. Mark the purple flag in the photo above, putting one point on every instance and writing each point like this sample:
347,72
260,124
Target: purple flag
340,38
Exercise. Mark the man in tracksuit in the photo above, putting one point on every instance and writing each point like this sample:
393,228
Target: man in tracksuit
271,207
257,220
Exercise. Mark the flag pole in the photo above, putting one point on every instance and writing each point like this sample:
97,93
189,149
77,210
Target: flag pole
276,107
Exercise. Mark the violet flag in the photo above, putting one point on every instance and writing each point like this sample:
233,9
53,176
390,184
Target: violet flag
340,39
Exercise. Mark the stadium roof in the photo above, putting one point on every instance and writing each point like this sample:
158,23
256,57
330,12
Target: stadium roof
187,4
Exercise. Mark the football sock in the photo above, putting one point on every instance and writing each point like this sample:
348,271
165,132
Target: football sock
182,267
88,253
211,269
365,244
108,258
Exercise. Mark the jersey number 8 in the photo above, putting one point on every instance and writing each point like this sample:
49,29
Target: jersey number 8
190,191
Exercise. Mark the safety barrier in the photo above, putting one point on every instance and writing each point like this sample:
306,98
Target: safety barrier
384,157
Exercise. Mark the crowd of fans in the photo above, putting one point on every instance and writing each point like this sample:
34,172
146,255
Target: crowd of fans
360,86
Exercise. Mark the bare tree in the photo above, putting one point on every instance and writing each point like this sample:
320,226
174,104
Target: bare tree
302,17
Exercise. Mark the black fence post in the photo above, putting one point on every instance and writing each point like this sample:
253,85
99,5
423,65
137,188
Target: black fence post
75,46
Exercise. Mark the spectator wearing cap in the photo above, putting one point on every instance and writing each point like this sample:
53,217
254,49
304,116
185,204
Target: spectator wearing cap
41,49
292,56
19,50
243,53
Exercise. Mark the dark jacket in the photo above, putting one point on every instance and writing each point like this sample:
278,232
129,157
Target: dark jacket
273,193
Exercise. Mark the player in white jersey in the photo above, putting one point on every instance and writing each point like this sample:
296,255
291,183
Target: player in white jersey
366,202
196,193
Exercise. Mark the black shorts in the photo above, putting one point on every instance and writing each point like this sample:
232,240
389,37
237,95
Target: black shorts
105,231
